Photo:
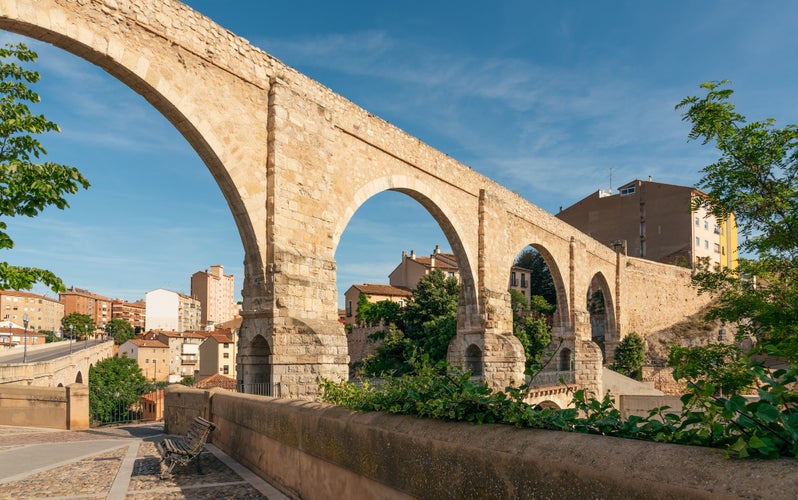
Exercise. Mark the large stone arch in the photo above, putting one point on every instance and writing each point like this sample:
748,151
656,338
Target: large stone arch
452,227
608,322
174,74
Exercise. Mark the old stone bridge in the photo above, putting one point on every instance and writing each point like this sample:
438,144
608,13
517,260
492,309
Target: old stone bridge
58,372
295,160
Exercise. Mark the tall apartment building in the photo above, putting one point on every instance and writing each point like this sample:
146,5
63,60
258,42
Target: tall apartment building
43,313
656,222
134,313
77,300
216,293
171,311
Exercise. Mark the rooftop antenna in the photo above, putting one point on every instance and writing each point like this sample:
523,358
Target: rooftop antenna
611,179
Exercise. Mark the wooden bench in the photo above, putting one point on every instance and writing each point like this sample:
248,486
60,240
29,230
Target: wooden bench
182,450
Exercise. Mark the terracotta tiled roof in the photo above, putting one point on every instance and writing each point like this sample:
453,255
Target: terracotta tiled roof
233,324
387,290
185,335
217,380
222,338
15,293
149,343
439,263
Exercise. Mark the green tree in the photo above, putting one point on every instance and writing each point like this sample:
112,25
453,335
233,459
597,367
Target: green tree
77,325
530,326
374,312
120,330
391,357
722,365
116,385
26,185
540,280
756,180
630,356
431,315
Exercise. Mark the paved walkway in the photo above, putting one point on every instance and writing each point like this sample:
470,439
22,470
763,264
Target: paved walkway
114,463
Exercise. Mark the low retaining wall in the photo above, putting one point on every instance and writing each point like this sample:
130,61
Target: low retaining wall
51,407
318,451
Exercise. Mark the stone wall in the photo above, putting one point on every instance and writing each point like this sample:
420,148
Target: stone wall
51,407
313,450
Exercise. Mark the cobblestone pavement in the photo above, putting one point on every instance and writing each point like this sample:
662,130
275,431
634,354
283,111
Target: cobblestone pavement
114,463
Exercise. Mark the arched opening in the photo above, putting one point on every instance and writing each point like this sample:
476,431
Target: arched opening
565,363
395,246
548,405
599,306
105,123
473,360
79,378
537,299
257,364
60,384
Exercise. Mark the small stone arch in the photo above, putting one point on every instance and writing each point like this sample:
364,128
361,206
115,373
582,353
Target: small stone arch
257,365
564,361
602,316
548,404
79,378
473,360
60,384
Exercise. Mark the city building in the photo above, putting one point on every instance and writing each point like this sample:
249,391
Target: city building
655,221
78,300
171,311
216,293
374,293
217,355
412,268
519,280
44,314
217,382
184,355
152,357
134,313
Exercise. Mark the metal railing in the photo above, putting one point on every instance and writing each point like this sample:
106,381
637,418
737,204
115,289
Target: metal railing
552,378
260,389
112,406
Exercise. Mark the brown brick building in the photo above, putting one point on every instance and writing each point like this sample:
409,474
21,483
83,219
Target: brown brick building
43,313
77,300
133,312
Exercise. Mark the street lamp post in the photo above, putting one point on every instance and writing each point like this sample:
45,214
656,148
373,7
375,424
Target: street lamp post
25,319
71,336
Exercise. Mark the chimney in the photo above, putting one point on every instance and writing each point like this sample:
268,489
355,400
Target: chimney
649,178
437,249
413,254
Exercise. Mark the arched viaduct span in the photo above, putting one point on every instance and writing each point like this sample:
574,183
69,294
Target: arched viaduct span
294,161
58,372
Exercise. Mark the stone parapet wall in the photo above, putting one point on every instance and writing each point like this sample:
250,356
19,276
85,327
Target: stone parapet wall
49,407
313,450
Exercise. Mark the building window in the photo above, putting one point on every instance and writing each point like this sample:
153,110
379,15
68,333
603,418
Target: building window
349,309
706,225
226,345
512,279
717,248
698,241
226,369
697,222
706,244
226,355
627,190
523,280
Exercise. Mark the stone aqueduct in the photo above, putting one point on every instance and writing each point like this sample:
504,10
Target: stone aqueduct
295,160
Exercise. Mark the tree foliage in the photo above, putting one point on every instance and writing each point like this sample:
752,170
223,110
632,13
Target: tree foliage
431,315
77,325
427,325
116,384
26,185
540,280
120,330
372,313
530,326
756,179
722,365
630,355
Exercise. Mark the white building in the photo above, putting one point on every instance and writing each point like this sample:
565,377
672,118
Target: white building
171,311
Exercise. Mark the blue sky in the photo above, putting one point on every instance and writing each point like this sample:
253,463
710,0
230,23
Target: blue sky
544,97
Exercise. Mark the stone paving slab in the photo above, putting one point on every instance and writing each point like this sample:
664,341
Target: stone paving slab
129,469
